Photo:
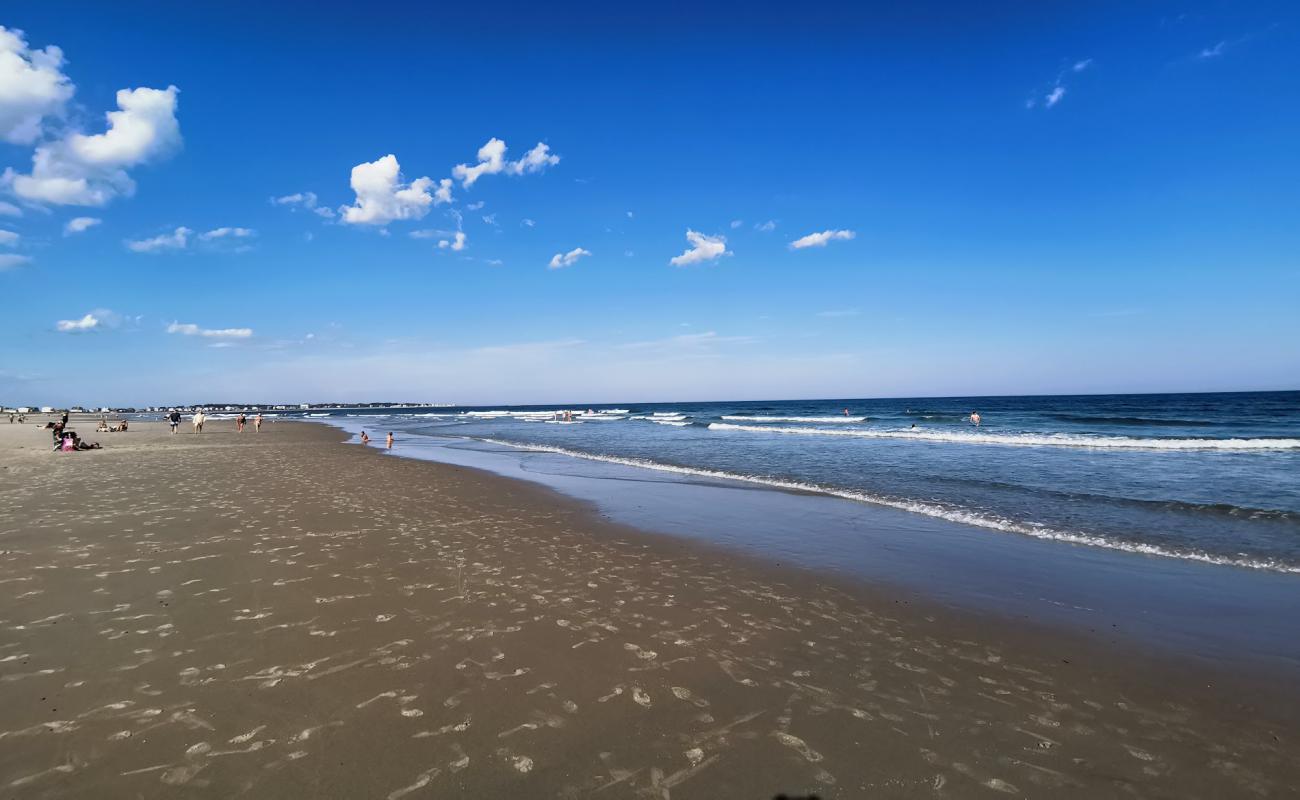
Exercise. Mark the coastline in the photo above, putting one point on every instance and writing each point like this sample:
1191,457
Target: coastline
328,594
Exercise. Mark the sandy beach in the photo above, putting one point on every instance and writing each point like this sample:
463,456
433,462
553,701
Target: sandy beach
286,615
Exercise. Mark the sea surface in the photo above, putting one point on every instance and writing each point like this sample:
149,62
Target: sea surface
1205,477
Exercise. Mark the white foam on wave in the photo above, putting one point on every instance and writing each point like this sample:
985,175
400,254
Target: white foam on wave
739,418
961,516
1030,439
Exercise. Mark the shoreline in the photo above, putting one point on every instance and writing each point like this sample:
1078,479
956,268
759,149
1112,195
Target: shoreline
280,520
1190,610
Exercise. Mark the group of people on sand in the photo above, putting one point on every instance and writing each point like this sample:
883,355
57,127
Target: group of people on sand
199,418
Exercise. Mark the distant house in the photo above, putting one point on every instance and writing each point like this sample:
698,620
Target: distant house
47,409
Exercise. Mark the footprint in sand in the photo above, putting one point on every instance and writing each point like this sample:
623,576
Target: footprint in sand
798,745
642,699
682,693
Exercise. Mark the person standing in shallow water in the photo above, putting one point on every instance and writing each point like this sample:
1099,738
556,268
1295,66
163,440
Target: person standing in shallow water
390,440
364,438
975,418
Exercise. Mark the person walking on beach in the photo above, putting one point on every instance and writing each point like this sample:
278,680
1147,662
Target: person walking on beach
174,419
198,421
257,424
390,440
239,423
975,418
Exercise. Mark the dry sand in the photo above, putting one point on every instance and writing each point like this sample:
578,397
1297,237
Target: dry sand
283,615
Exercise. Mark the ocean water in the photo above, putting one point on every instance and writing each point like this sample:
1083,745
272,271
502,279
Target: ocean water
1206,477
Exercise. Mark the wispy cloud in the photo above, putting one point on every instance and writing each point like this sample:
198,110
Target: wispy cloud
703,248
86,323
821,239
11,260
222,233
80,225
567,259
1213,52
305,200
766,227
176,240
456,242
190,329
1053,96
8,238
491,161
843,312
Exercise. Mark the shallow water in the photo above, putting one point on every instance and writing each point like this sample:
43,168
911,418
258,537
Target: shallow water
1206,477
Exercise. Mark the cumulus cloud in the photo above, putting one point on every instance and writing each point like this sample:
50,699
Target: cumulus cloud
492,161
222,233
8,238
11,260
86,323
32,87
90,170
383,198
190,329
80,225
176,240
567,259
456,243
703,248
820,239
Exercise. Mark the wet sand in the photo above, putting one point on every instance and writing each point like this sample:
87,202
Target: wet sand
283,615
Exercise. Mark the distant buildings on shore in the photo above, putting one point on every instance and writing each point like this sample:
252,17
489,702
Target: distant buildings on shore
246,407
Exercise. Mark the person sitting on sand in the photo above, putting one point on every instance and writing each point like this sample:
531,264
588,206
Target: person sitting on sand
102,427
364,438
390,440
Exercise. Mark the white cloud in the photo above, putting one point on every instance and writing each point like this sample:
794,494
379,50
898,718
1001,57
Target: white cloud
766,227
10,210
530,223
490,219
86,323
32,87
190,329
80,225
11,260
457,242
1053,97
90,170
820,239
844,312
1080,66
8,238
703,248
567,259
630,215
383,198
492,160
476,206
1213,52
428,233
176,240
304,199
736,223
222,233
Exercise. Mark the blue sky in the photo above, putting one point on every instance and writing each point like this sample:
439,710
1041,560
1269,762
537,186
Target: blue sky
1014,198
